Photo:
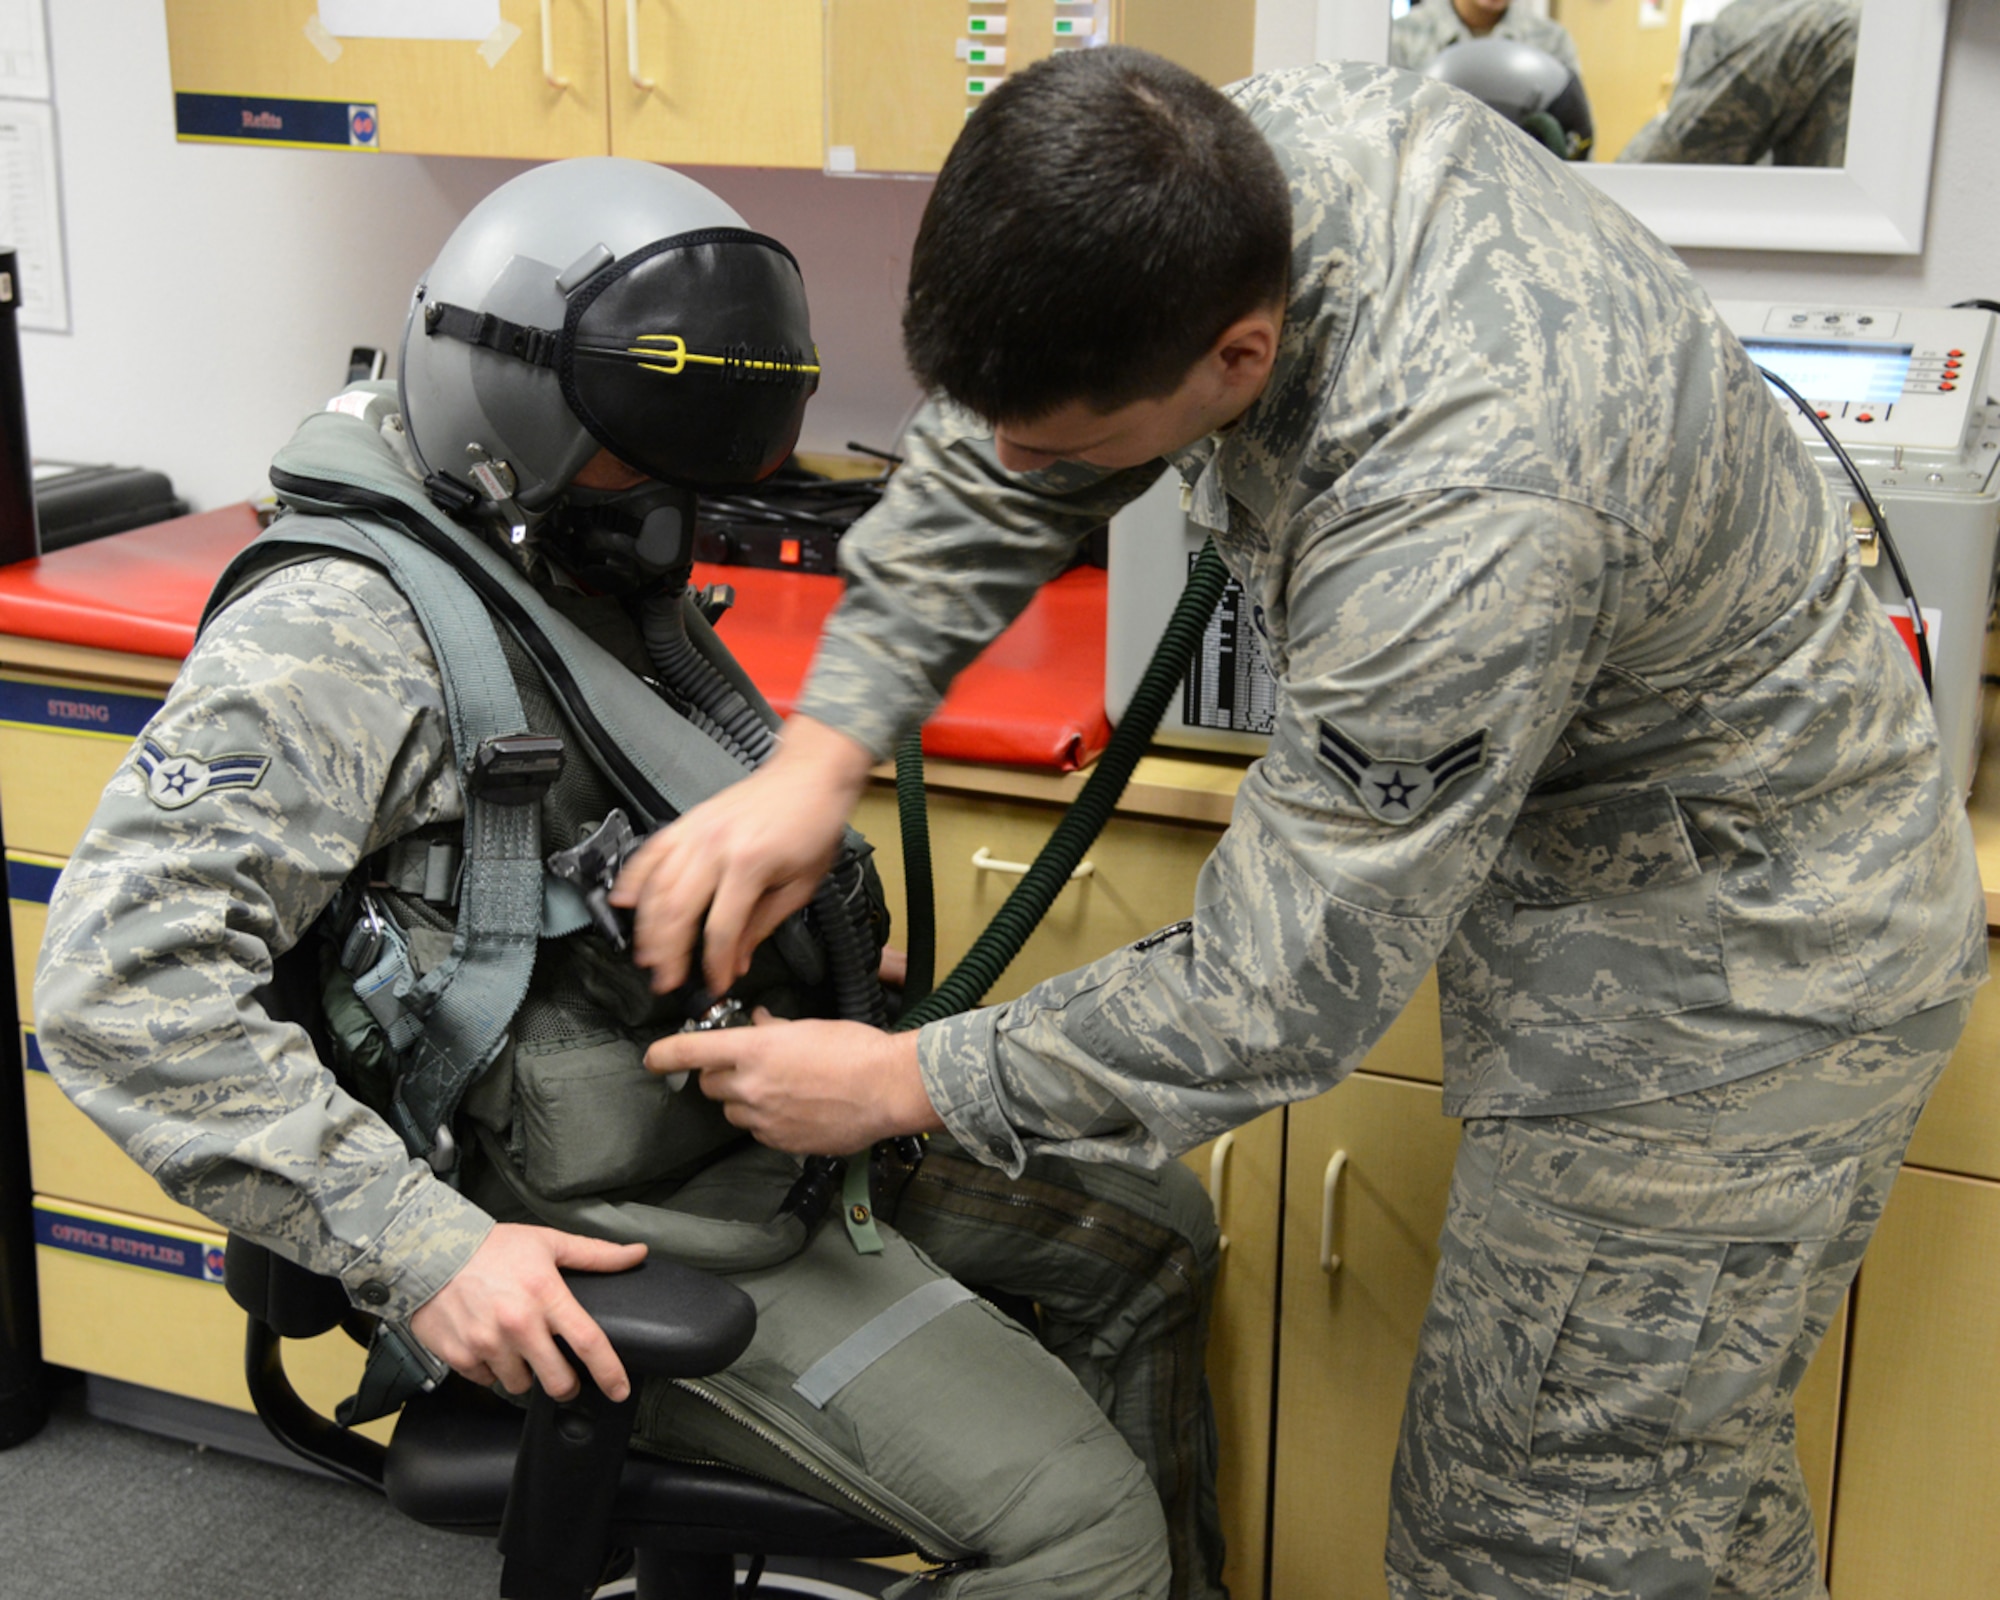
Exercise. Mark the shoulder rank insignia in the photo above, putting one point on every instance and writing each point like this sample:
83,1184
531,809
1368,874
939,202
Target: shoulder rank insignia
1398,791
175,781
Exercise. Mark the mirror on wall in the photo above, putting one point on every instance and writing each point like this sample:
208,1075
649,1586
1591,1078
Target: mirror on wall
1788,181
1683,82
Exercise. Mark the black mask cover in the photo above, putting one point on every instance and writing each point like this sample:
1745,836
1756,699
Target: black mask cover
690,359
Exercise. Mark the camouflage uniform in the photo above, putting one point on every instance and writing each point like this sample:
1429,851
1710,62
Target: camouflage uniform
1582,699
1425,32
1766,79
306,735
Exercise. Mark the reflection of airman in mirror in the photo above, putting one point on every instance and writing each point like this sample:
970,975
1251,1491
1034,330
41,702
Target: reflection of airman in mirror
1435,25
1766,80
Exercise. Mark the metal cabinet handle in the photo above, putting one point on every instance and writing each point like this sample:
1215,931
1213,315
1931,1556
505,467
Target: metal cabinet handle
555,79
639,81
1329,1263
1218,1173
986,861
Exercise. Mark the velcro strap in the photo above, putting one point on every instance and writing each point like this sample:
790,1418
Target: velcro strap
539,347
875,1338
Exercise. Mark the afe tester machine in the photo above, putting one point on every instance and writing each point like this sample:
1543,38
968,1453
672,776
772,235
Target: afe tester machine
1905,392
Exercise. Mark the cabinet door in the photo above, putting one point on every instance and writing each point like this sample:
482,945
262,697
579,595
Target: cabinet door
1242,1171
717,82
1346,1337
1141,877
532,90
1920,1442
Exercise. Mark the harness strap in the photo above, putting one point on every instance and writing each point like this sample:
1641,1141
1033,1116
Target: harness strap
447,1025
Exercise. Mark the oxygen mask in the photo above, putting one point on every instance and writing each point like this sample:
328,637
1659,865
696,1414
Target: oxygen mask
625,542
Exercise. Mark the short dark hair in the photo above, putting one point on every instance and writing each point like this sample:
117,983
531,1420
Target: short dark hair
1099,223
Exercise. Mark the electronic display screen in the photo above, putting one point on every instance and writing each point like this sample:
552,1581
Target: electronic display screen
1861,374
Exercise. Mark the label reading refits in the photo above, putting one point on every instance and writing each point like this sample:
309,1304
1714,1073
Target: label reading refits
24,704
180,1255
241,119
1229,683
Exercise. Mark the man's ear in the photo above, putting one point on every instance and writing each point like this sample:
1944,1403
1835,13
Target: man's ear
1244,352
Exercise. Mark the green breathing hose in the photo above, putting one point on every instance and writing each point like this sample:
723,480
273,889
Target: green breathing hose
1036,892
918,894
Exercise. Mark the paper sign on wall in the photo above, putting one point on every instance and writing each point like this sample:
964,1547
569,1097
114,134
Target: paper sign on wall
410,19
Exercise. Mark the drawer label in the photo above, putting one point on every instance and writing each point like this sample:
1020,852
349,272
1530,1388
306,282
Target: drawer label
180,1255
31,881
247,119
68,709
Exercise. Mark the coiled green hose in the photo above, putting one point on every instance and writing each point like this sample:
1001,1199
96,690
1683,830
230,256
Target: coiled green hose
1036,892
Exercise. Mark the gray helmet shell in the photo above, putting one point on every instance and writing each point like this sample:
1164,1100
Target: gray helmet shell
519,254
1529,87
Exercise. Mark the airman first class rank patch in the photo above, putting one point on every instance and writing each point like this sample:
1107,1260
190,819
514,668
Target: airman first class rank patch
1398,791
175,781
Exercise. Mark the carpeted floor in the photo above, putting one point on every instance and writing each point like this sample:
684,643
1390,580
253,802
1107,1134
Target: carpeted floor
91,1510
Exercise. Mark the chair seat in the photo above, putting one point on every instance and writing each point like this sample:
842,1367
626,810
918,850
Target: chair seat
451,1463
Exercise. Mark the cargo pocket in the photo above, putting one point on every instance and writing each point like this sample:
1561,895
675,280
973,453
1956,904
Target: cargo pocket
1681,1324
589,1118
1612,918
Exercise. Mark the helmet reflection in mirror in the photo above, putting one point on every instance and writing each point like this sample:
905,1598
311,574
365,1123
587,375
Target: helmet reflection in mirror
1527,86
604,304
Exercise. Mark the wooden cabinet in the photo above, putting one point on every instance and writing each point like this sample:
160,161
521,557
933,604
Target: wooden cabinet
1920,1433
1920,1452
717,82
129,1281
534,89
1367,1177
903,75
691,82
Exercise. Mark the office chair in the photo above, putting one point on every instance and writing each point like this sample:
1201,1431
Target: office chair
555,1482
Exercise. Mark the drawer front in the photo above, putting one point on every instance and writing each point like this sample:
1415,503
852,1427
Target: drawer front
142,1301
71,1158
30,881
60,743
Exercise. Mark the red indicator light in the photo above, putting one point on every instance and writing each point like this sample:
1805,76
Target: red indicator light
788,552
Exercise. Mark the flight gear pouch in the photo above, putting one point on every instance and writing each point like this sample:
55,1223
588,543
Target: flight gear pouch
588,1117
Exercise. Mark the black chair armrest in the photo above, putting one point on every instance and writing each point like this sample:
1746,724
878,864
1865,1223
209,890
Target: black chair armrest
666,1320
293,1302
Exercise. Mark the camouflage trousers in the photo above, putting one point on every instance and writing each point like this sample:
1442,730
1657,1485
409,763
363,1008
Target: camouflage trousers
872,1384
1625,1304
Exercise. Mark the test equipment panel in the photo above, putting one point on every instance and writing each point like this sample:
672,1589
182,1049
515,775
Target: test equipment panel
1905,393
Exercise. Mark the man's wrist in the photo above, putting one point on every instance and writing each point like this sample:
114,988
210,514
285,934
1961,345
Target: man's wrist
907,1106
836,759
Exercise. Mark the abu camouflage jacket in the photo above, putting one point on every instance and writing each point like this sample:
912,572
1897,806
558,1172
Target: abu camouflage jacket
316,692
1582,697
1766,78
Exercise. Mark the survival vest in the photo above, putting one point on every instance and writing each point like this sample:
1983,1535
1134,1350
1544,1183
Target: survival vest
462,989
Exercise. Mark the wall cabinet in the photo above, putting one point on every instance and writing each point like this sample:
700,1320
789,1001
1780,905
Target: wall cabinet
690,82
533,90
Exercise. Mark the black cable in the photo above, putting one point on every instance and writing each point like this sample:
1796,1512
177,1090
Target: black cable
1976,305
1921,633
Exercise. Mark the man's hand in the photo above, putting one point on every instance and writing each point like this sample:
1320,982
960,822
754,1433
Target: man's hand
811,1088
498,1319
733,868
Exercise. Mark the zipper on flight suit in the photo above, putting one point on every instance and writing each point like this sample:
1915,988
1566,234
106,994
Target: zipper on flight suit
766,1432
